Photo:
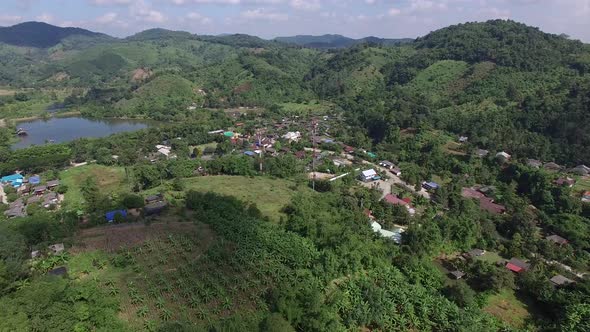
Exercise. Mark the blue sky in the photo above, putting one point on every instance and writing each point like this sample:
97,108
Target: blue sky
271,18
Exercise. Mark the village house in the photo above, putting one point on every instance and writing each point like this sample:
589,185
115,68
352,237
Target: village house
33,199
292,136
341,163
488,204
57,248
471,193
586,197
369,175
581,170
476,253
39,190
16,209
557,240
14,180
387,164
481,153
396,171
560,280
166,151
154,208
52,184
565,182
503,156
517,266
395,235
534,163
394,200
457,274
551,166
463,139
50,199
430,185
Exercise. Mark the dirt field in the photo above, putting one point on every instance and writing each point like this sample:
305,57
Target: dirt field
114,237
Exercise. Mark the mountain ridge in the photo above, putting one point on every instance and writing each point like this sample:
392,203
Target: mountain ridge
43,35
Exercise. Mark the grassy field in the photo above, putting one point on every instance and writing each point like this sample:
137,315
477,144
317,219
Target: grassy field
270,195
490,257
508,308
313,107
109,180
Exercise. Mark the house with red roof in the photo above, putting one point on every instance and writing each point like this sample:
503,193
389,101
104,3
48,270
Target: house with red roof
517,266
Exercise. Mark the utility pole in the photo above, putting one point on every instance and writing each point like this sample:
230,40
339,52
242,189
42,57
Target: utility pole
261,149
313,131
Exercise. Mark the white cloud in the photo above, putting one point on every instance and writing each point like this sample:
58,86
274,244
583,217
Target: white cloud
107,18
143,12
198,18
393,12
10,19
263,14
306,4
45,17
111,2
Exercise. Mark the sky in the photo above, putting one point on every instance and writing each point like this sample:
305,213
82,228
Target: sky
273,18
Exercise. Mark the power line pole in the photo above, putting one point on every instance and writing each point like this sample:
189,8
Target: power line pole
313,131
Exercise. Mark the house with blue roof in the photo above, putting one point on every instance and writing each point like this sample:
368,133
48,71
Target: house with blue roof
15,180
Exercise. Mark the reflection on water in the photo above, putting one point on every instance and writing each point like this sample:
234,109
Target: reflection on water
60,130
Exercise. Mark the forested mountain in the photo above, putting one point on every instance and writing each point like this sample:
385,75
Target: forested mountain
507,85
337,41
43,35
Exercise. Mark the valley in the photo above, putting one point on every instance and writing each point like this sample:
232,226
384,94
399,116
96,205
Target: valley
172,181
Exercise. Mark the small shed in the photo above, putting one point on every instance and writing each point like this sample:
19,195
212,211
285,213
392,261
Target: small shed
35,180
52,184
557,239
57,248
560,280
430,185
476,252
154,208
61,271
457,274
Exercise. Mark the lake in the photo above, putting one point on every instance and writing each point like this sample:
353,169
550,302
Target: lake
59,130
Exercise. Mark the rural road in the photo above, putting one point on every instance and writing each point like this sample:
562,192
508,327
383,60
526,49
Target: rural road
3,196
385,185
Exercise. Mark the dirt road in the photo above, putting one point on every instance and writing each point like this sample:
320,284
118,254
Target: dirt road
3,198
385,185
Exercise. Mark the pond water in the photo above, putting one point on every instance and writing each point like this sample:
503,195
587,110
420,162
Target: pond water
59,130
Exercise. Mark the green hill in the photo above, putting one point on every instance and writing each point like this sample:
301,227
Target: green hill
42,35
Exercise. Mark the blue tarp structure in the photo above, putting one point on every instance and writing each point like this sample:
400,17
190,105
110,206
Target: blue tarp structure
110,216
249,153
15,180
35,179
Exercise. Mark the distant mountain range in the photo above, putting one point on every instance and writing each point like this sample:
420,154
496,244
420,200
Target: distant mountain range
43,35
337,41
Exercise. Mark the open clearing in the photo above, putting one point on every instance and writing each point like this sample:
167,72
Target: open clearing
269,195
108,179
112,238
508,308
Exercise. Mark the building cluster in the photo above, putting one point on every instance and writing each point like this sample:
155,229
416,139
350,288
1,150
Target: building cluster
30,191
